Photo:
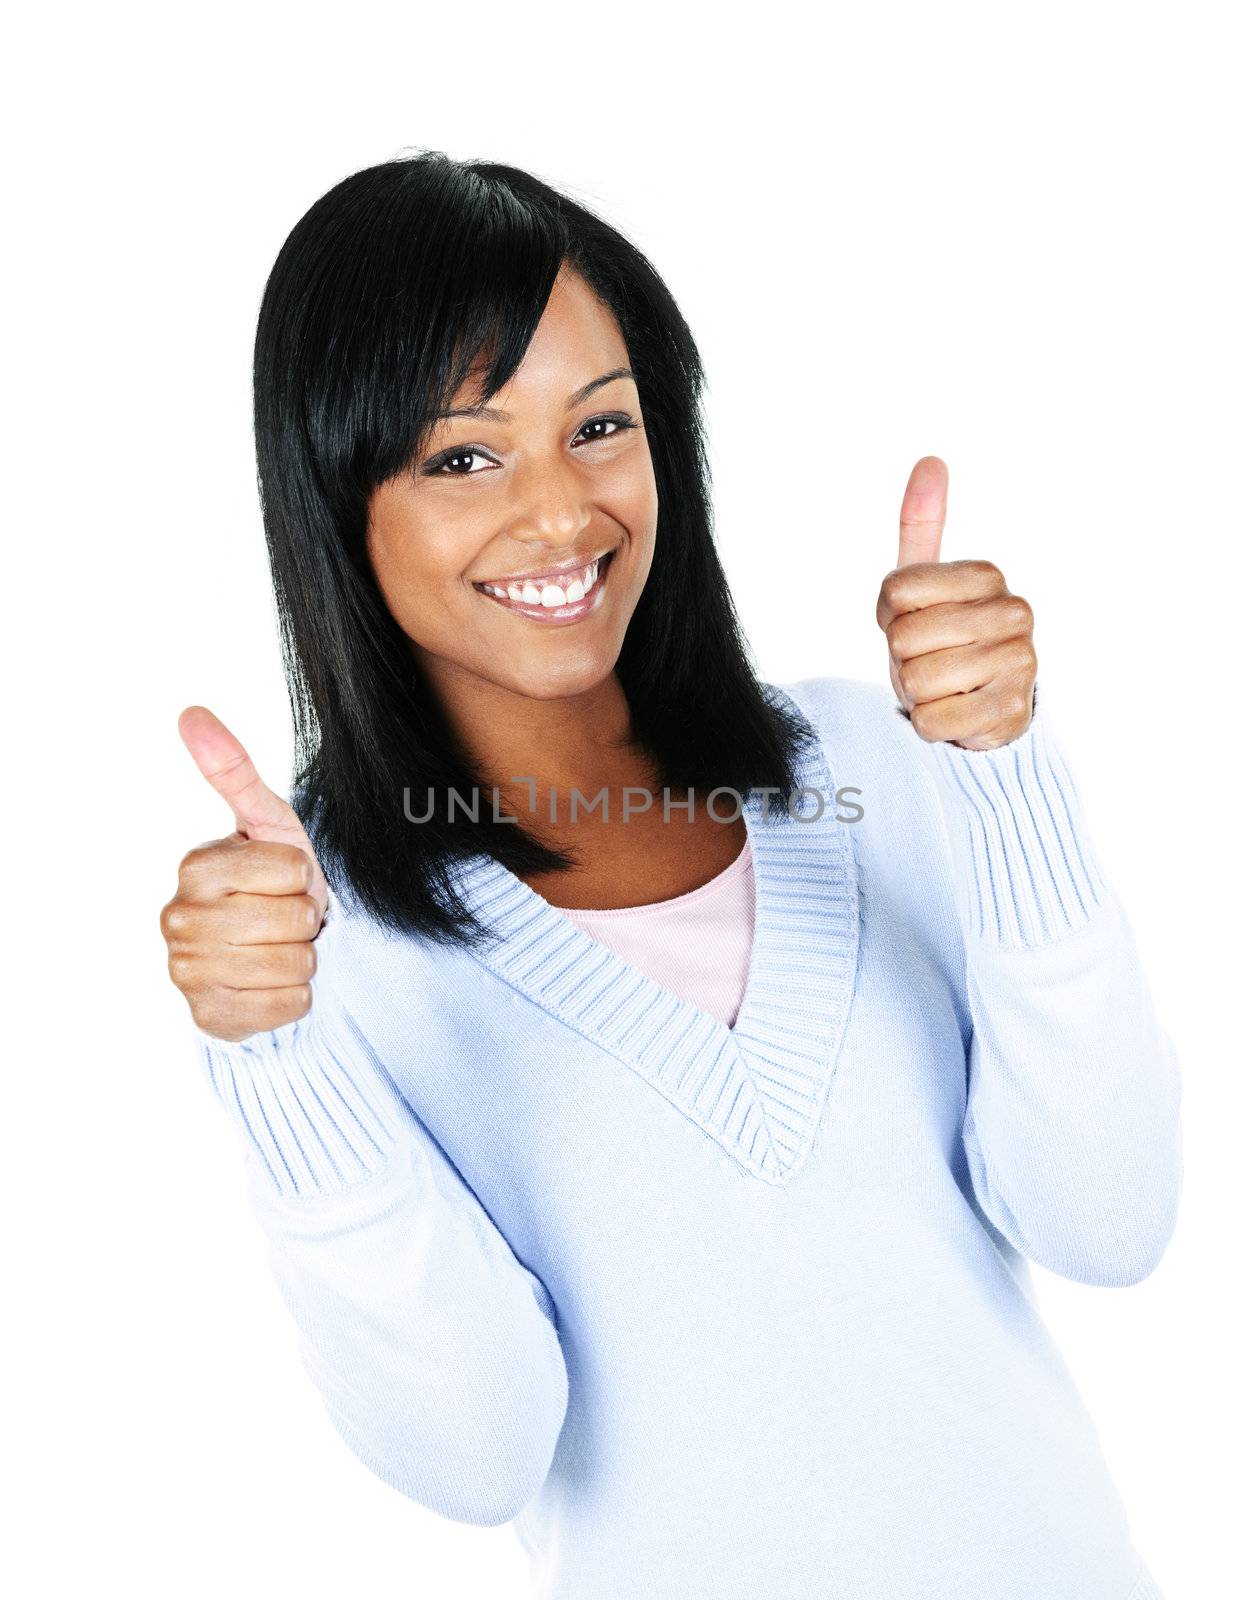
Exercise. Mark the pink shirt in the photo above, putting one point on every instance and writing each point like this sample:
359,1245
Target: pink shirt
697,944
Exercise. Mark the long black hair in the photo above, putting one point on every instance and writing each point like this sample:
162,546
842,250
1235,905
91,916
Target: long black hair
376,310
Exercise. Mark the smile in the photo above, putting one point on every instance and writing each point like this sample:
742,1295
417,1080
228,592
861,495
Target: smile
566,598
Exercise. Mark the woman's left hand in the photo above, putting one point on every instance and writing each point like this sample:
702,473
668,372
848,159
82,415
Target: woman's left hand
959,643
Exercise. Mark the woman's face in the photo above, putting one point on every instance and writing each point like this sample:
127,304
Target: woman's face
554,476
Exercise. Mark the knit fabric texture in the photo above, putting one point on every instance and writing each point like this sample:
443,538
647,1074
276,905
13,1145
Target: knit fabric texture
715,1312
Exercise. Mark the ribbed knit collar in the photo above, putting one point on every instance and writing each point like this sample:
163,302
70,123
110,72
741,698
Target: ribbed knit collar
758,1088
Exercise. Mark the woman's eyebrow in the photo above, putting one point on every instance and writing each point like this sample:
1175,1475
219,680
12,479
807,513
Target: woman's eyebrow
576,399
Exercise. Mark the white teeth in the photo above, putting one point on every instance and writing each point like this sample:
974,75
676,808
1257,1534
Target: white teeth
549,592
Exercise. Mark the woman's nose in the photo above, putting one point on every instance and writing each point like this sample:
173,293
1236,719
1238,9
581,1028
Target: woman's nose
551,505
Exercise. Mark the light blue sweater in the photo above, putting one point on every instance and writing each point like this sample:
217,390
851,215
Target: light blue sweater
742,1314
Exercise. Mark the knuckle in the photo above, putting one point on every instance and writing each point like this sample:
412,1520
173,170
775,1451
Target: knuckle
204,863
231,1011
1016,612
182,970
891,597
921,719
294,860
896,632
221,1013
202,1015
193,861
282,866
1015,705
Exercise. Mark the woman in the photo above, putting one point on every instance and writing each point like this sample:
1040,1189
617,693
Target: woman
655,1158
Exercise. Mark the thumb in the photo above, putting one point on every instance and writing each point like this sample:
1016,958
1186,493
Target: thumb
922,512
224,763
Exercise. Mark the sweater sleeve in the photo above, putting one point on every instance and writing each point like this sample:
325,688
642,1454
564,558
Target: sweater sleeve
1072,1122
435,1350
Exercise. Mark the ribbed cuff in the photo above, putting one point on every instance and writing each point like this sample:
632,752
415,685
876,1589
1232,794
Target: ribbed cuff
1025,861
318,1109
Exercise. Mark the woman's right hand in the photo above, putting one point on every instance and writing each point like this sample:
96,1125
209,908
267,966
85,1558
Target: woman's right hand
241,926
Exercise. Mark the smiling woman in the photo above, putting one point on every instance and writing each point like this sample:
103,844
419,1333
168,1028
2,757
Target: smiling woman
465,382
664,1183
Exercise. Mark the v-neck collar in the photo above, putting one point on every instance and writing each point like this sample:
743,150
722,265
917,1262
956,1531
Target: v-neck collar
758,1087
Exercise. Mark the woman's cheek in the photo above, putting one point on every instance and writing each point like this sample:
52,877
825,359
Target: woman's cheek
634,501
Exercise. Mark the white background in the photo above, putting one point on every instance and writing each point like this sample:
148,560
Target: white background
1016,237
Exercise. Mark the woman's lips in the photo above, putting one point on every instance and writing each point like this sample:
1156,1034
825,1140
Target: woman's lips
572,611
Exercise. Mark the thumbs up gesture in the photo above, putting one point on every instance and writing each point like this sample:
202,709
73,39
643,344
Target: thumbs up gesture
959,643
240,928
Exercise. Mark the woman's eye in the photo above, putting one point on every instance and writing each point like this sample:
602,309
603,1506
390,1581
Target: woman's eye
439,468
604,422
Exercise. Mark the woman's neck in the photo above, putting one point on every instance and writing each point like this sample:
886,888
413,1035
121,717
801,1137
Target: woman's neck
530,747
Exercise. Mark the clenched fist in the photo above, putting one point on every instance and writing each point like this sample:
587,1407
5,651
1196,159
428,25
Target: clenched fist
241,927
959,643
